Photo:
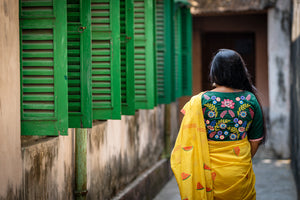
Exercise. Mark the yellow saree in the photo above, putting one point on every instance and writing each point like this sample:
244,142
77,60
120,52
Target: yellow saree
207,170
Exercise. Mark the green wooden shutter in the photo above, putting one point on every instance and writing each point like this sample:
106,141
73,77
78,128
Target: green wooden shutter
127,57
164,50
178,57
144,71
79,63
106,71
186,46
43,54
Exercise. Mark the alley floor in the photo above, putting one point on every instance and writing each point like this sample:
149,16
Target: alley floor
274,181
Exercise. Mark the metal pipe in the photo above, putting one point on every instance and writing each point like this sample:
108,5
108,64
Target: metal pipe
80,163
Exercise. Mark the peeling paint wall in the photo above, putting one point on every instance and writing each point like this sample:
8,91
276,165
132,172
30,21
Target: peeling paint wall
279,80
10,143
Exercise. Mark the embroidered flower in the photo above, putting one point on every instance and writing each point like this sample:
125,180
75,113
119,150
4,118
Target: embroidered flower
241,129
222,137
218,99
232,136
243,98
240,122
210,128
217,136
238,99
235,120
214,102
219,132
243,114
207,122
236,125
223,125
226,132
227,103
211,114
213,97
213,123
241,102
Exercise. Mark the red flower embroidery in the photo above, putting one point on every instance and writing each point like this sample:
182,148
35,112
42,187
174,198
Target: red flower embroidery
227,103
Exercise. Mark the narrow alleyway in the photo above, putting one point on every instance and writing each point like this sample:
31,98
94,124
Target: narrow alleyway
274,181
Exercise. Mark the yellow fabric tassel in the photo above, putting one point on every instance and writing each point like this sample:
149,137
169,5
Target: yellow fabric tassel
207,170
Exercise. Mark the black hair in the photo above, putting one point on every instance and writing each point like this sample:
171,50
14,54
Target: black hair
229,69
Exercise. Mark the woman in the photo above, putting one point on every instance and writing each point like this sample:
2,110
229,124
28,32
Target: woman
220,133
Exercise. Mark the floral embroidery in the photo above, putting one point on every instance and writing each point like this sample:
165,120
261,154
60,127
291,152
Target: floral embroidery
211,114
232,136
233,126
243,114
227,103
223,125
241,129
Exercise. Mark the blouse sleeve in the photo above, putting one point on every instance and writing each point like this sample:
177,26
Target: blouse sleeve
256,130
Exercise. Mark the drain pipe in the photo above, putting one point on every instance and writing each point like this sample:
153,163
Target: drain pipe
80,163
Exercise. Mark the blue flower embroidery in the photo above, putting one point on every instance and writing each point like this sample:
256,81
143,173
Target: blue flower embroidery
232,136
226,132
211,114
214,102
241,102
243,98
235,120
223,126
236,125
213,97
213,123
219,132
243,114
217,136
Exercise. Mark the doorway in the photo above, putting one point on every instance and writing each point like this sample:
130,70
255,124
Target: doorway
242,42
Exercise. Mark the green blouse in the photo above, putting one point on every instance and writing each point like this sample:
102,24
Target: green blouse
232,116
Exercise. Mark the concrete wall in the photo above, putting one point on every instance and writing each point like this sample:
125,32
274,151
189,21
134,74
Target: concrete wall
118,152
279,79
295,94
10,144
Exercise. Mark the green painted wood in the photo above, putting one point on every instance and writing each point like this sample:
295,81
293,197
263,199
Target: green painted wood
127,57
43,67
144,66
106,70
178,52
79,63
186,51
164,50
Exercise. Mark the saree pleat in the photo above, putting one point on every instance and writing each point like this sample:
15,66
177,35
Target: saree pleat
207,170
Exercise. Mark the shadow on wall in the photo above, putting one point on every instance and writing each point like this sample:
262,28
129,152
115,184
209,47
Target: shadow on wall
295,100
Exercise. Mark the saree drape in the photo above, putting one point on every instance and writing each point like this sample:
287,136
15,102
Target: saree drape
207,170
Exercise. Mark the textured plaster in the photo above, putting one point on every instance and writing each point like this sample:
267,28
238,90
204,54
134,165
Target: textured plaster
120,150
279,80
48,171
10,144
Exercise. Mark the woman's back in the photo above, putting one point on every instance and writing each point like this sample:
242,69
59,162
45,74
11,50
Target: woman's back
232,116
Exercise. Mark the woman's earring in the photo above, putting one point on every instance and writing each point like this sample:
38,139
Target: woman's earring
214,84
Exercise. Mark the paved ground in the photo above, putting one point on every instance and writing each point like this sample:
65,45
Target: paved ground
274,181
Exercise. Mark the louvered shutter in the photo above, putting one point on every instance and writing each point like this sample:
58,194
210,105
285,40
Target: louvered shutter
79,64
186,41
144,71
127,57
164,50
178,57
43,53
106,78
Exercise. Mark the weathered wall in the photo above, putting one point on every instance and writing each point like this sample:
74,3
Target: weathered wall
10,144
48,168
120,150
279,79
295,94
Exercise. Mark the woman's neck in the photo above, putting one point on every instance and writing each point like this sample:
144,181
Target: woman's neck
220,88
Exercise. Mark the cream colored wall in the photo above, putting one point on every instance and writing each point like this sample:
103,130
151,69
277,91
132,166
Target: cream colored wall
10,144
